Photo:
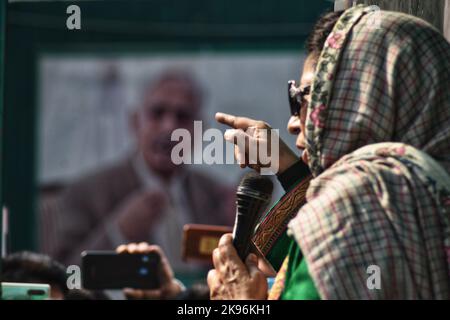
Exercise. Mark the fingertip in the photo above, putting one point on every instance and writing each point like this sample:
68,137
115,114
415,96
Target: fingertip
143,247
221,117
211,274
211,278
122,248
132,248
226,239
216,253
218,115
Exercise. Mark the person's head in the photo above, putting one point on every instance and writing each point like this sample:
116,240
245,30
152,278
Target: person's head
380,77
314,46
29,267
170,102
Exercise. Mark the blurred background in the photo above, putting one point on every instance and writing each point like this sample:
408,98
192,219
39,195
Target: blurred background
69,93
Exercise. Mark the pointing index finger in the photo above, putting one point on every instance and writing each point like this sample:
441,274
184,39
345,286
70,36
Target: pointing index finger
236,122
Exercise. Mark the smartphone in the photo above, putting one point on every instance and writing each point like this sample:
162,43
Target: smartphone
110,270
25,291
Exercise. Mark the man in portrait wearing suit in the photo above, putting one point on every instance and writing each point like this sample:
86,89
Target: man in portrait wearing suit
145,197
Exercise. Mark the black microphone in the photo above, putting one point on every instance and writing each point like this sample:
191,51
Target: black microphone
252,197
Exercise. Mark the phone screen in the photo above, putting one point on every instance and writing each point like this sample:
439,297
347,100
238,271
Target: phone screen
110,270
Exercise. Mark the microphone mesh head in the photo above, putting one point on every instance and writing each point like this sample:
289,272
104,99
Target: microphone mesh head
257,182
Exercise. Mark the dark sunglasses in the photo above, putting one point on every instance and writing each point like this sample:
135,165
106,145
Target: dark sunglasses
297,97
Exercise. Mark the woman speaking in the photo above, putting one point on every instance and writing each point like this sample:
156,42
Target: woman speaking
372,114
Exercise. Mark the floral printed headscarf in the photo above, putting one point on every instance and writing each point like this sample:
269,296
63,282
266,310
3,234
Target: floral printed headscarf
382,76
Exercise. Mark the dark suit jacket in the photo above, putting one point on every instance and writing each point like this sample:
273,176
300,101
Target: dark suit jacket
77,220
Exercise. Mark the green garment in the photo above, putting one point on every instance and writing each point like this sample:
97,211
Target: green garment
298,284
